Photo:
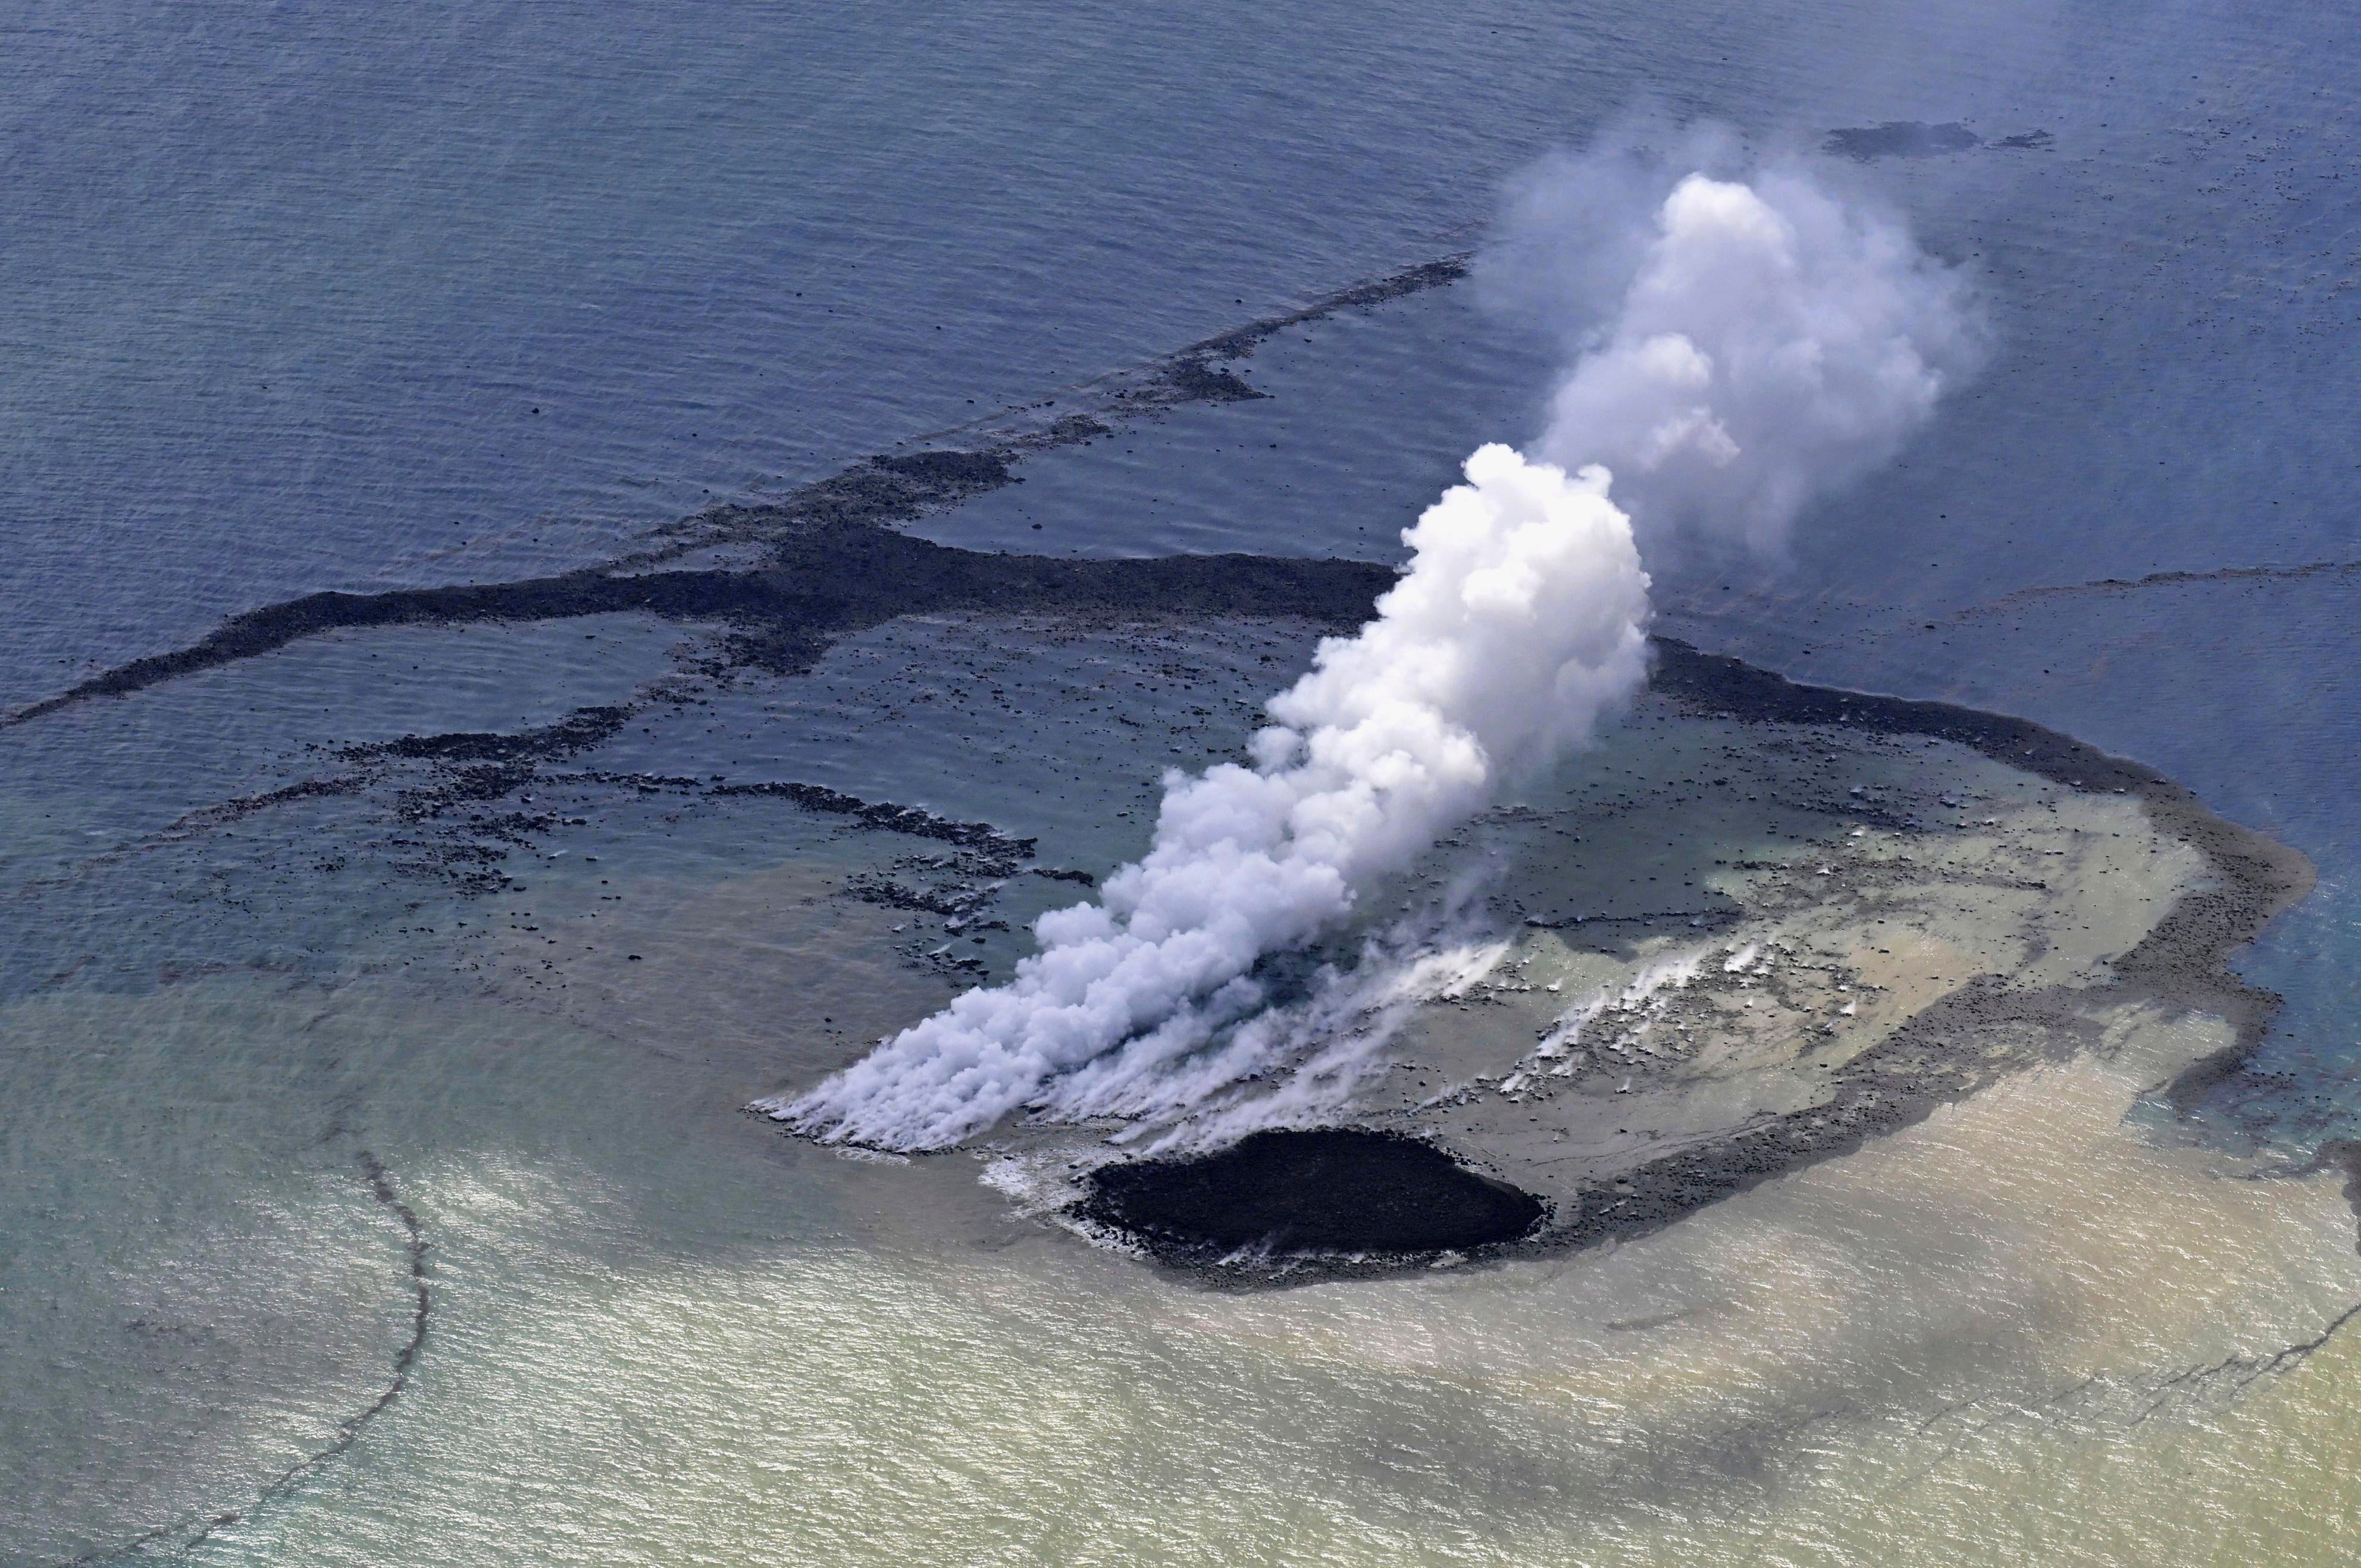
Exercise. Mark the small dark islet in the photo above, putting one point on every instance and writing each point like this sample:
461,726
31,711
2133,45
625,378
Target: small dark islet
1322,1189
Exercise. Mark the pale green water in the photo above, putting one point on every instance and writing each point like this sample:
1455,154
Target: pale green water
660,1336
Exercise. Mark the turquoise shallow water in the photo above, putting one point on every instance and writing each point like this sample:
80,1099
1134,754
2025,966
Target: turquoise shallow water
281,291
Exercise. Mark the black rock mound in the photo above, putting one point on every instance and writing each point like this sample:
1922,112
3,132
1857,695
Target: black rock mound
1329,1189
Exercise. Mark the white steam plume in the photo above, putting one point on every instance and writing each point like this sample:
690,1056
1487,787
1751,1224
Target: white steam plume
1770,344
1518,626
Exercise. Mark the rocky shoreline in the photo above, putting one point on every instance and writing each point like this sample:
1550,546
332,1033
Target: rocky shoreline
1960,1043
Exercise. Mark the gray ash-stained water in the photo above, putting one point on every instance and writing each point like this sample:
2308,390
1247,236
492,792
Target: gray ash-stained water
824,583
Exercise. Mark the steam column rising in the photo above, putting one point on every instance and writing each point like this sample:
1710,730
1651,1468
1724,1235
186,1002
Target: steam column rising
1770,344
1519,624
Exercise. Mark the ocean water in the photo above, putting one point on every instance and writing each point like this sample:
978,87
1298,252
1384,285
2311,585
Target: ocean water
297,297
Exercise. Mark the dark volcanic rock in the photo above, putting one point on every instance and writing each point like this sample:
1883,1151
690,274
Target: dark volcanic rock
832,564
826,583
1901,138
1327,1190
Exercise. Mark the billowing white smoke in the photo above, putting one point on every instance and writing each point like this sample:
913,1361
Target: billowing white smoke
1774,345
1521,623
1770,344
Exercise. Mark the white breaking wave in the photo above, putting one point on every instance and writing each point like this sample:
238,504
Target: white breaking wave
1770,342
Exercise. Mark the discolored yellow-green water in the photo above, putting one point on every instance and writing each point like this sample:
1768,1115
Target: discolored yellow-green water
1961,1345
2037,1326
